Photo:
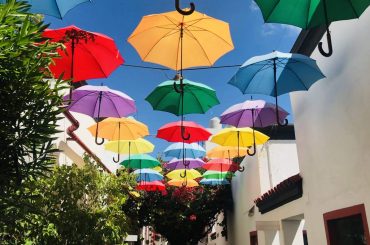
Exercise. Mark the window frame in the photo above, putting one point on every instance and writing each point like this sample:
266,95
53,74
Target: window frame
346,212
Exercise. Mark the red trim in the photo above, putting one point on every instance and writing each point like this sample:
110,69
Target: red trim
253,235
345,212
70,132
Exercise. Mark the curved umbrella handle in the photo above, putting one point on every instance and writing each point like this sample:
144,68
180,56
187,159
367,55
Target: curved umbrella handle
283,124
184,12
178,88
241,169
116,161
98,143
186,163
183,135
183,175
254,150
330,45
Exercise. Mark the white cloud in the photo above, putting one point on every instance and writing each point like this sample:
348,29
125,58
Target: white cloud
253,6
269,29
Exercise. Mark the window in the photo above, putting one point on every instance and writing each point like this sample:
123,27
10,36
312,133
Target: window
347,226
253,238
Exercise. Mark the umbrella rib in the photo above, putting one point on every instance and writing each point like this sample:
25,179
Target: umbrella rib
353,8
296,75
88,94
202,29
264,66
272,10
96,60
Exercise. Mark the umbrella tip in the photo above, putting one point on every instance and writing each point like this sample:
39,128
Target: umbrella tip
177,77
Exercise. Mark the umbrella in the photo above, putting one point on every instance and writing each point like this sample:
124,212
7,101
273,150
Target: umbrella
220,164
180,182
312,13
211,174
188,163
129,147
243,137
52,7
88,54
174,132
150,186
164,38
214,182
197,97
275,74
147,175
140,161
100,101
252,113
192,150
228,152
119,129
184,173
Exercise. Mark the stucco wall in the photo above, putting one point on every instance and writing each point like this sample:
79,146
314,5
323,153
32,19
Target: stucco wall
332,128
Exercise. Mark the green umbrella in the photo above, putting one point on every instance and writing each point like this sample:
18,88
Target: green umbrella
312,13
217,175
140,161
198,98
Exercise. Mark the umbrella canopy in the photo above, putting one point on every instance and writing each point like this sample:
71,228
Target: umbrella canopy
312,13
238,137
100,101
147,175
88,55
197,98
252,113
214,182
165,39
52,7
221,165
173,132
184,173
183,183
275,74
140,161
188,163
119,129
137,146
211,174
192,150
228,152
150,186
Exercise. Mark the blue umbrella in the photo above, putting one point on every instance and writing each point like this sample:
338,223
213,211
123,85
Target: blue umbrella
56,8
275,74
147,175
190,151
214,182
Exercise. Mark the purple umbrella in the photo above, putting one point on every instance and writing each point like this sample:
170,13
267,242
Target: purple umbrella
100,101
188,163
253,113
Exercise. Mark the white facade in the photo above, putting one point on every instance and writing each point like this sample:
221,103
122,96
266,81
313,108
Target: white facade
332,132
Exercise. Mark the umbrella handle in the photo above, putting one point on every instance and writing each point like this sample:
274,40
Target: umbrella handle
254,150
241,169
183,135
330,45
116,161
183,175
98,143
184,12
177,89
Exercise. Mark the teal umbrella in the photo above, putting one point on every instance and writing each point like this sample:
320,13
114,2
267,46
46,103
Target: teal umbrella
140,161
312,13
56,8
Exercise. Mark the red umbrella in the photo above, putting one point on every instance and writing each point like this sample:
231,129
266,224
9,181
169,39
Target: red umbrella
220,164
173,132
150,186
88,55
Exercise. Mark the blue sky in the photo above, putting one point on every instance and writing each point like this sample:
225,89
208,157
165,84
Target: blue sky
118,18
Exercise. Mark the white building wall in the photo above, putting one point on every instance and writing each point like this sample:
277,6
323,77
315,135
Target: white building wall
332,129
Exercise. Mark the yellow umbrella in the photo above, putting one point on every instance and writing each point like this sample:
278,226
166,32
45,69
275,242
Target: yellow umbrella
178,41
182,182
184,174
158,169
240,137
119,129
129,147
226,152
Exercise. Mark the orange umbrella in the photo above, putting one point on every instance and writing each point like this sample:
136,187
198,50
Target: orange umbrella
182,182
180,41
